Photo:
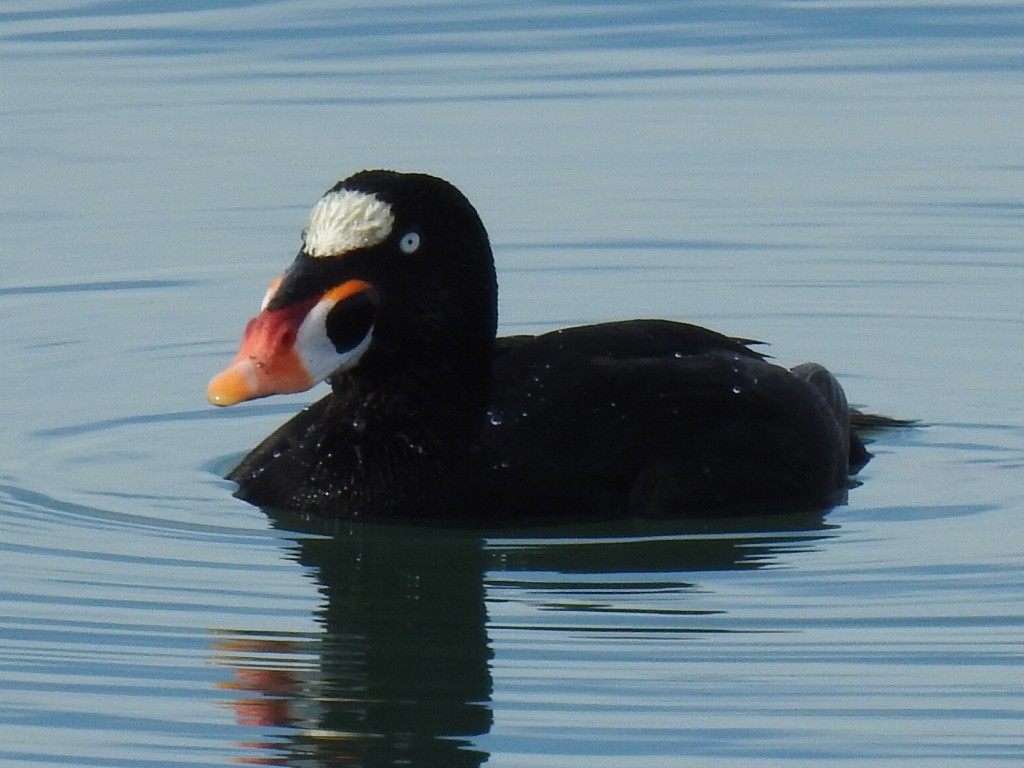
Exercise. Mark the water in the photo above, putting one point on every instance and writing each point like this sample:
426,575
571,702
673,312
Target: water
844,180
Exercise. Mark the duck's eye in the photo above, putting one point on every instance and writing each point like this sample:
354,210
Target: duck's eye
410,242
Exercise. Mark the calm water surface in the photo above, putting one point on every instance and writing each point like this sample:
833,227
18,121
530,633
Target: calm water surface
845,180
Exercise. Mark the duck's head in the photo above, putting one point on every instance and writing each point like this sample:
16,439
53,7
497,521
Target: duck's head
394,276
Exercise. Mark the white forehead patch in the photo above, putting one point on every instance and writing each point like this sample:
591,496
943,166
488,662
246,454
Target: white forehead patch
344,220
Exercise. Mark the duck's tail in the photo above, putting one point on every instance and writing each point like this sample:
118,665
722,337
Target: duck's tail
869,421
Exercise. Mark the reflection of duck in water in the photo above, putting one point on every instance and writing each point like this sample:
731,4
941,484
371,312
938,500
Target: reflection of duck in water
392,299
400,673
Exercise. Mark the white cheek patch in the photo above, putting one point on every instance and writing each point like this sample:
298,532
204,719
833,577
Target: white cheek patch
317,352
345,220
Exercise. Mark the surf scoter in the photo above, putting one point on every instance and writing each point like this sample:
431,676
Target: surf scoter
392,299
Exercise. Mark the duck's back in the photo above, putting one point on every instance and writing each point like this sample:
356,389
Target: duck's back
653,418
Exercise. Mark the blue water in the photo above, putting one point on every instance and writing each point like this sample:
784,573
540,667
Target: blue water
844,180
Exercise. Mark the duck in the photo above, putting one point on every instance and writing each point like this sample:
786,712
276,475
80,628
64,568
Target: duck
431,417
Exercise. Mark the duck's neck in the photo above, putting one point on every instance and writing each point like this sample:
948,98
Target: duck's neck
433,416
406,442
